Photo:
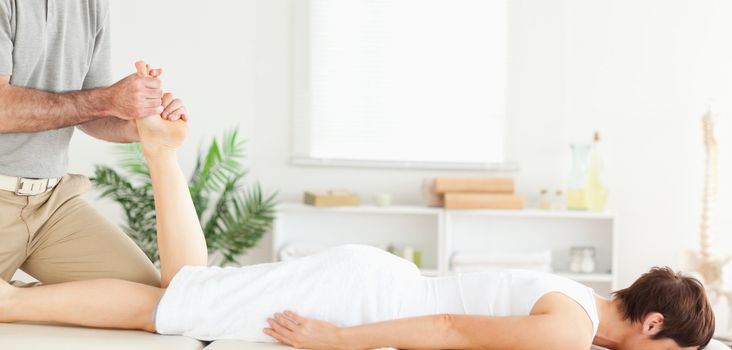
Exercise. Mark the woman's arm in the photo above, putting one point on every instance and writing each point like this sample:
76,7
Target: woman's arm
180,237
432,332
557,322
468,332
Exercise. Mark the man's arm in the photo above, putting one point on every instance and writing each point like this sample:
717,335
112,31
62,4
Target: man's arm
111,129
119,130
28,110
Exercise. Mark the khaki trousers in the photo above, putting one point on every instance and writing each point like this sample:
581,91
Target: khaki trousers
58,237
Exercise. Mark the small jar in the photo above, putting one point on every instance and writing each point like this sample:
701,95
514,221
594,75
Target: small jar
559,202
544,200
417,258
382,199
588,260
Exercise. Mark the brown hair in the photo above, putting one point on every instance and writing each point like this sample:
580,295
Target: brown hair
688,316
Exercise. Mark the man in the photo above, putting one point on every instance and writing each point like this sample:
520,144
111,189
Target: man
55,76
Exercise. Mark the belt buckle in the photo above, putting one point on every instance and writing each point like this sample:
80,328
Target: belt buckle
30,187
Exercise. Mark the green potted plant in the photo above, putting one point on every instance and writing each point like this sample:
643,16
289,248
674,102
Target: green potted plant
233,217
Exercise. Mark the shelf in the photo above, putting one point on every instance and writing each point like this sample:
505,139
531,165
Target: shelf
533,213
421,210
439,233
362,209
588,277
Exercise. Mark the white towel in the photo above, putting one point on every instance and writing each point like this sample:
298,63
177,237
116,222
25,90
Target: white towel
347,285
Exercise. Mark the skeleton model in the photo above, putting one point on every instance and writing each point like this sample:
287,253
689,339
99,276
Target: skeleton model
705,263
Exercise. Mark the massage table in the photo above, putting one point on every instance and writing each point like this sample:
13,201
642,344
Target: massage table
45,337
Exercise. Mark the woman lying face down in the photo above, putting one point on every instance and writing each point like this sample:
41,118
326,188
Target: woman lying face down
358,297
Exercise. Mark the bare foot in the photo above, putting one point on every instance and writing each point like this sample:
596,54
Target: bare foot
159,135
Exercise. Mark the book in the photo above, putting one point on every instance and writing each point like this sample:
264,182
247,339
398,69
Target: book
474,185
331,199
483,201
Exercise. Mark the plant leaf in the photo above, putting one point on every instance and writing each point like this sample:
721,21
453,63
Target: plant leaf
236,220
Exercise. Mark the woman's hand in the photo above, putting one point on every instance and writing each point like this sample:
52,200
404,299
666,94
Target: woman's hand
303,333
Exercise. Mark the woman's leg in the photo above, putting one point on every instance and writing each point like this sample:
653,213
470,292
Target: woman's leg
180,237
102,303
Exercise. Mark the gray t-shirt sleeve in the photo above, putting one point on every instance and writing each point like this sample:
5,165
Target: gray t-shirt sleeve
6,42
100,70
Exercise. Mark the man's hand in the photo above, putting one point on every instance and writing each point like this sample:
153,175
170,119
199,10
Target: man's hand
135,97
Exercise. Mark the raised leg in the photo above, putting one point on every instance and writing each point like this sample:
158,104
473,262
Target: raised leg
180,237
102,303
113,303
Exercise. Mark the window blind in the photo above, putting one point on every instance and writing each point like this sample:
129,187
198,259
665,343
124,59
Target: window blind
401,80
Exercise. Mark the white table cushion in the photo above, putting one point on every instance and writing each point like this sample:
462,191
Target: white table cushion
242,345
45,337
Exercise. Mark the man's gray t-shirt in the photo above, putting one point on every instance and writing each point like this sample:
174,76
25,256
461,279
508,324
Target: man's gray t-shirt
55,46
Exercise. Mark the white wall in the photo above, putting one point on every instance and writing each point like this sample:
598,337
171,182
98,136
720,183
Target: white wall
639,70
642,71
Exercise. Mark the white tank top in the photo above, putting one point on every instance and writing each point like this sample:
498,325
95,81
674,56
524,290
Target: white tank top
499,293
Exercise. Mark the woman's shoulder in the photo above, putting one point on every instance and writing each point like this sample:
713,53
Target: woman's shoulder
540,287
567,310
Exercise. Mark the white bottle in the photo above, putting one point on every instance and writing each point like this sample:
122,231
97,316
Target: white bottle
544,201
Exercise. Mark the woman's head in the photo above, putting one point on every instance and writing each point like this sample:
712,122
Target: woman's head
668,306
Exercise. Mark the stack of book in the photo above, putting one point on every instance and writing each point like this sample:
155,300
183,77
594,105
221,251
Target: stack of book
478,193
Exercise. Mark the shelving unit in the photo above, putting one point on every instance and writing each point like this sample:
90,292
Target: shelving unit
418,227
439,233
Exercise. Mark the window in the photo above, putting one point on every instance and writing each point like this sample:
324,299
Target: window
416,83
